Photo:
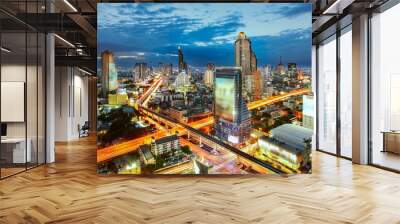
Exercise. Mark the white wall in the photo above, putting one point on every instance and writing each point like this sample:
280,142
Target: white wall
33,127
71,102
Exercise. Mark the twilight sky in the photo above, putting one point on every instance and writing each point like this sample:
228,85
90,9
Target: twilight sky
152,32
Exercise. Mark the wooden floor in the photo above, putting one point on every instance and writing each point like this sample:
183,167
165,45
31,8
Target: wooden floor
70,191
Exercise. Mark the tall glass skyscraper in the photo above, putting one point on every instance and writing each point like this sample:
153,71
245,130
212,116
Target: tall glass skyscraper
231,116
109,79
247,60
181,63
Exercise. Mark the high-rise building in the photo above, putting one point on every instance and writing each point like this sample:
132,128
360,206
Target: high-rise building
182,66
253,85
209,75
266,78
292,70
257,88
141,71
253,61
280,68
109,79
243,53
231,116
246,59
165,69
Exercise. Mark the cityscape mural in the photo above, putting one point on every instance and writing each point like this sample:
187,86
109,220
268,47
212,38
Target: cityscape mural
194,88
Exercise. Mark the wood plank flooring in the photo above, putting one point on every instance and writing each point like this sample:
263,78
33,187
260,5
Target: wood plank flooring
70,191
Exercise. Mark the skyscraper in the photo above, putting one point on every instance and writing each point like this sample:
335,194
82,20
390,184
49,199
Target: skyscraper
231,116
280,68
109,79
165,69
246,59
292,70
257,85
253,61
209,75
266,78
243,53
141,71
182,66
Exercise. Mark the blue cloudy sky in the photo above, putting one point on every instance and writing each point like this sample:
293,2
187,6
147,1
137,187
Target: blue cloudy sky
152,32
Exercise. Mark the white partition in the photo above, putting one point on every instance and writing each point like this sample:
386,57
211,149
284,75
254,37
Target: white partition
12,101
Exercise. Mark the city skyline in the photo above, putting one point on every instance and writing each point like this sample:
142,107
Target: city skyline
163,115
152,33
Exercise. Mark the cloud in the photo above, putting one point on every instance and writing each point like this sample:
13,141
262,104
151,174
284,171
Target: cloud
294,10
151,32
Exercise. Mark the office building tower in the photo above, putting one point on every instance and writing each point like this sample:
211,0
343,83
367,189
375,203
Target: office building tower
257,88
243,53
168,69
266,78
141,71
246,59
109,79
182,66
209,75
231,116
253,85
280,68
292,70
308,111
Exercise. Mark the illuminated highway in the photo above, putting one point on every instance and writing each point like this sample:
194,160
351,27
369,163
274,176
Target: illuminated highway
110,152
274,99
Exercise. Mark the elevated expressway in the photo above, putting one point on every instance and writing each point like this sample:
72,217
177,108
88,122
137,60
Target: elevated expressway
179,128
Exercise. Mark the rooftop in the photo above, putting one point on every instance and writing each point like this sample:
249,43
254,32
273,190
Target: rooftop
167,139
292,135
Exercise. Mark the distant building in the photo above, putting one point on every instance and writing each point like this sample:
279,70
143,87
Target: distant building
280,68
209,75
266,77
165,145
182,79
268,90
292,70
182,66
300,74
145,155
118,99
165,69
178,113
257,89
231,116
109,79
141,71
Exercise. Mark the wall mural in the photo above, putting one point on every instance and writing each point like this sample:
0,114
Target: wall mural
192,88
